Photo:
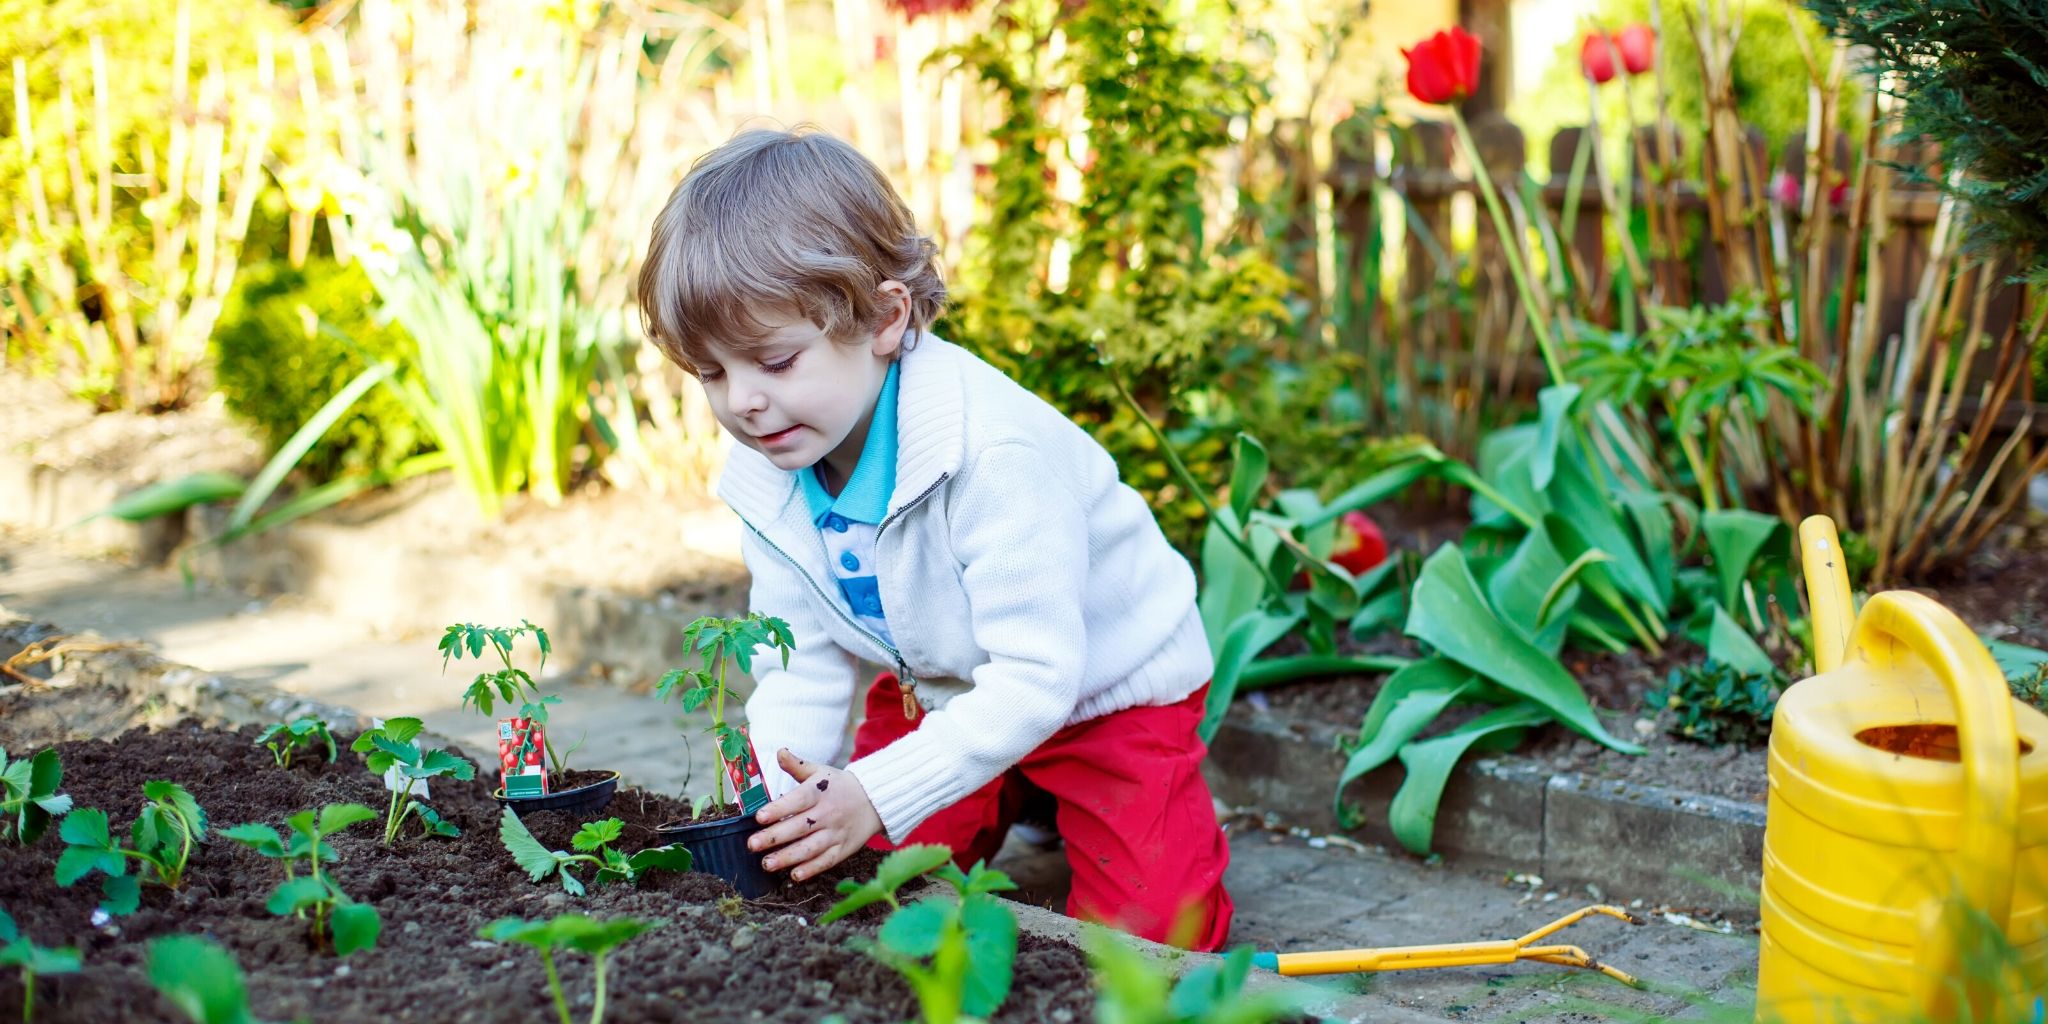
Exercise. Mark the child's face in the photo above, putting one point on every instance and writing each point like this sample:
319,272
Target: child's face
800,396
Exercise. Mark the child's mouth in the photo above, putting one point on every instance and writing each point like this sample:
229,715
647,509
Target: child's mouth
780,437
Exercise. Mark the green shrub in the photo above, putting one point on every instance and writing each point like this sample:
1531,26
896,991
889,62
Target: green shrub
1718,704
275,373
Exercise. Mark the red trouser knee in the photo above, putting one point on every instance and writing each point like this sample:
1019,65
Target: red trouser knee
1139,825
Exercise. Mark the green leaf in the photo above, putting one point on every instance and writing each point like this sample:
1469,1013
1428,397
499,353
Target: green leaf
597,833
1554,404
8,931
1249,465
991,950
1231,586
432,822
335,817
46,773
1450,615
1411,699
400,753
1729,644
441,762
76,862
1519,591
896,869
257,836
1211,986
1412,815
120,895
296,894
1650,512
536,860
199,978
402,730
538,934
674,857
355,926
1377,488
186,808
37,960
2015,659
915,930
1735,537
86,826
170,496
1252,633
599,937
302,441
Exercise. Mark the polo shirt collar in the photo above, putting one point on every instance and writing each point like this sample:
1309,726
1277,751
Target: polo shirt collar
865,498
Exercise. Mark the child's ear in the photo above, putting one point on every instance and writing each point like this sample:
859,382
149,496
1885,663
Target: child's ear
888,339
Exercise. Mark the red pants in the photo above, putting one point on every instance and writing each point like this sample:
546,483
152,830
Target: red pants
1140,829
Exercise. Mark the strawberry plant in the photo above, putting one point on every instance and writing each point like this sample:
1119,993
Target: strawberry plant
161,839
1130,989
28,795
585,935
17,951
592,843
509,683
719,642
349,925
283,739
201,979
956,953
391,746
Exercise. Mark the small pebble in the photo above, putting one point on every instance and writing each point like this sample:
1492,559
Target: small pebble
455,892
1062,1015
743,940
821,991
555,899
411,928
342,971
1549,897
1594,891
482,944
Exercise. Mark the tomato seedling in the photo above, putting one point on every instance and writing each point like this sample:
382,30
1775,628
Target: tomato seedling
720,642
391,746
28,795
17,951
161,839
570,931
593,845
509,683
349,925
283,739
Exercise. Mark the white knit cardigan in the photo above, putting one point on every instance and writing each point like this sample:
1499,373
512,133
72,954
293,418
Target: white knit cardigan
1027,587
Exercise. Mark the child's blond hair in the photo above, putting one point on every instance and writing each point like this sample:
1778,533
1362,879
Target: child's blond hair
780,224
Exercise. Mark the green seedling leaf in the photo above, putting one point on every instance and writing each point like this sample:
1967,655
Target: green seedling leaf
200,979
597,833
991,950
1450,615
915,930
440,762
91,847
597,938
9,931
180,803
535,859
1211,986
294,895
355,926
898,868
431,822
1412,816
336,817
120,896
28,794
674,857
258,837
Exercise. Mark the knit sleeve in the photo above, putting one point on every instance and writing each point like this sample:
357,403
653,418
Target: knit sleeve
805,706
1021,538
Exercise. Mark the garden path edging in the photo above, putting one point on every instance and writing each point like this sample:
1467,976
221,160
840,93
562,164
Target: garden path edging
1629,840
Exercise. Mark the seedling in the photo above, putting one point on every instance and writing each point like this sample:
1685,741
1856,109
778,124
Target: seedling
1130,988
28,795
956,953
201,979
351,926
286,738
593,845
508,684
161,839
1716,703
17,951
570,931
719,642
391,746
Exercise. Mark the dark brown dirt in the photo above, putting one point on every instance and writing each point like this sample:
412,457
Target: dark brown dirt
718,958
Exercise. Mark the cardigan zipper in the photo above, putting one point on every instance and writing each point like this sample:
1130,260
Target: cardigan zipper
905,682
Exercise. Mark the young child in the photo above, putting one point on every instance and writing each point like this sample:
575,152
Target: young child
907,503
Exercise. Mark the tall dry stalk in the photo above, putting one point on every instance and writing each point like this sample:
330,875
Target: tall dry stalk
122,286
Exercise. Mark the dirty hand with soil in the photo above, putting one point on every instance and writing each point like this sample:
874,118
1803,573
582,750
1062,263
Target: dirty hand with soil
824,820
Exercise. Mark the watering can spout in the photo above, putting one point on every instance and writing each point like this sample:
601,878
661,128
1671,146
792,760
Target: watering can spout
1827,590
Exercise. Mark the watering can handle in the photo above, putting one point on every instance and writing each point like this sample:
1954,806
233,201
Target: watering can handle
1899,628
1827,590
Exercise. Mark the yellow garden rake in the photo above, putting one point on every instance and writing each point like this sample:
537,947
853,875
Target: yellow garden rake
1456,954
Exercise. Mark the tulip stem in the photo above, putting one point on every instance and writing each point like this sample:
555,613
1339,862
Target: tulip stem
1510,244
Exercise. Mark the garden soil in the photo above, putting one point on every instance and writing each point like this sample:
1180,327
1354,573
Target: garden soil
716,958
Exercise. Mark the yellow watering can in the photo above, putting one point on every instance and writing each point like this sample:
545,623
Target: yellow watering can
1906,849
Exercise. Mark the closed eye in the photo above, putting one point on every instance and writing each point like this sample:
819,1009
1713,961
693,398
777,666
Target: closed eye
781,367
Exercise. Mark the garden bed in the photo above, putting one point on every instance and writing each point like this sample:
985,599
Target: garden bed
717,958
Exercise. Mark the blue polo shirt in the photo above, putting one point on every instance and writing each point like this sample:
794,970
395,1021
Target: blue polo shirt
848,522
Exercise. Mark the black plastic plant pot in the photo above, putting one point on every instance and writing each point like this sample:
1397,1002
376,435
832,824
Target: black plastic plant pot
720,848
582,800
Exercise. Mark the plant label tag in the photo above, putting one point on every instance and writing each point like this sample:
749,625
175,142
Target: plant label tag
522,756
744,772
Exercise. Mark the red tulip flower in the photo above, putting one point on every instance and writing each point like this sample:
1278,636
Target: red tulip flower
1596,58
1359,547
1444,68
1638,45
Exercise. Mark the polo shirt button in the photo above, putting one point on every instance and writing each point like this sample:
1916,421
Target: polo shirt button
837,524
849,561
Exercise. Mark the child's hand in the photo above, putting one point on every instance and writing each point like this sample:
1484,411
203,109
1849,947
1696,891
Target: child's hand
819,823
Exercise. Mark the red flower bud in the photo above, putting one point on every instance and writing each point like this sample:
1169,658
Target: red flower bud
1596,58
1444,68
1360,544
1785,189
1638,45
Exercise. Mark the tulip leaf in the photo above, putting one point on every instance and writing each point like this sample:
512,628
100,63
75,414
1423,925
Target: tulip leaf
1411,699
1412,816
1729,644
1252,633
1554,403
1249,465
1735,538
1451,615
